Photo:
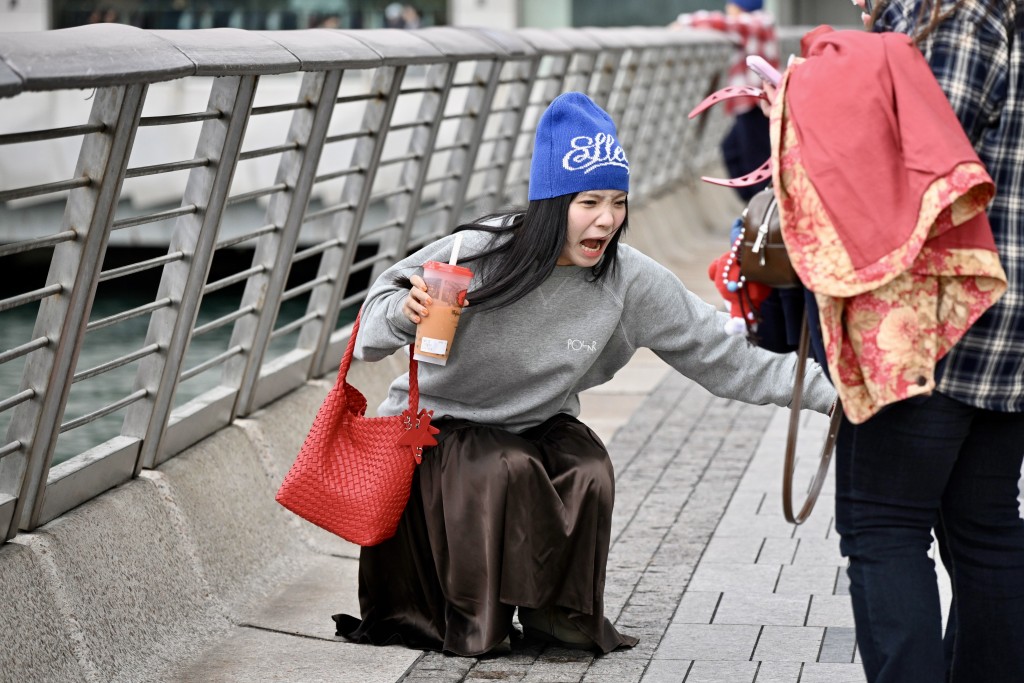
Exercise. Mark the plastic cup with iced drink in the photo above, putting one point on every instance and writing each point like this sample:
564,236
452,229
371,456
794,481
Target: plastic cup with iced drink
446,285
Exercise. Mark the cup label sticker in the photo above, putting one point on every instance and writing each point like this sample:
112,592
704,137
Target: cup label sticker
431,345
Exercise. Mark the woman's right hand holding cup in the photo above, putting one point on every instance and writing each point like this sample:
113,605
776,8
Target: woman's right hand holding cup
415,305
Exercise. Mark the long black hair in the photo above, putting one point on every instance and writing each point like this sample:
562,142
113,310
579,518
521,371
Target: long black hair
524,249
929,16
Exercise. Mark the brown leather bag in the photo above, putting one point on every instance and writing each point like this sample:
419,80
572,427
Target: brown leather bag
763,257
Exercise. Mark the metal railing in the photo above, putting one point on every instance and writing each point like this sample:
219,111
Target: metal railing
280,172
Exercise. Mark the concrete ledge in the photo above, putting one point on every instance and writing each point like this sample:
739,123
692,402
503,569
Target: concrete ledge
36,639
242,538
126,584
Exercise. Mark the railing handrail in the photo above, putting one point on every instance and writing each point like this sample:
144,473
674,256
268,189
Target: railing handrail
109,54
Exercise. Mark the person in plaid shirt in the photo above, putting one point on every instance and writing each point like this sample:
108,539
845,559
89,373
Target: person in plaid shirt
949,463
747,144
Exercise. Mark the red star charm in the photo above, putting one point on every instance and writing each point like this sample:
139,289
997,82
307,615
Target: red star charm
418,433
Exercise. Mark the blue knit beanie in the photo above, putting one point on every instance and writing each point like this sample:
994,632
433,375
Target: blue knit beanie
576,150
748,5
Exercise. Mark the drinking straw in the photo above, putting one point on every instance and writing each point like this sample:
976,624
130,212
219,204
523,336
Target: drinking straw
455,249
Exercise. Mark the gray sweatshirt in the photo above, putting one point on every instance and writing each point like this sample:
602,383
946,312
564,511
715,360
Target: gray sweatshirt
517,366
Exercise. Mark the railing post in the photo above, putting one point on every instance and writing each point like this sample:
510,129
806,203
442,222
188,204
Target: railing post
605,67
650,120
509,132
479,101
714,123
669,120
631,126
195,235
556,55
402,209
274,251
337,261
62,319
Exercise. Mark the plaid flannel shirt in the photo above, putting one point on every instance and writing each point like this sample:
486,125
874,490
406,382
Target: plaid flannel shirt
753,33
976,56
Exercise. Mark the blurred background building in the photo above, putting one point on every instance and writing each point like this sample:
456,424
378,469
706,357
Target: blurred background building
34,15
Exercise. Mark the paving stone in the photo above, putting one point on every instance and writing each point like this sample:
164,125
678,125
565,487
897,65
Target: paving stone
664,599
644,650
838,645
708,642
433,677
807,580
666,671
745,502
830,610
610,678
762,474
716,672
436,661
777,551
746,578
614,668
649,616
633,553
740,549
650,639
842,582
697,607
439,666
753,608
821,523
663,583
819,551
760,526
547,670
683,544
503,663
778,672
832,673
789,643
509,674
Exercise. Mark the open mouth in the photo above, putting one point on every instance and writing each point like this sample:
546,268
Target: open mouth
592,246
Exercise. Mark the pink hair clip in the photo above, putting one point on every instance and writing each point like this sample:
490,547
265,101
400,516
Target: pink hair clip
762,173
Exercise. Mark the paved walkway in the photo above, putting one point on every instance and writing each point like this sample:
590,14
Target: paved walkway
703,567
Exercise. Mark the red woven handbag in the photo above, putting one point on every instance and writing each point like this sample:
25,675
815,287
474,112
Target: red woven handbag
353,474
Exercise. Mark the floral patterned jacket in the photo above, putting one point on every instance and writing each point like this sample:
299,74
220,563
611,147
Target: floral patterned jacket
882,205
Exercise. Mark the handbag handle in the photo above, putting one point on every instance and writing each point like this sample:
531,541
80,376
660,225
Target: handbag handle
346,361
794,425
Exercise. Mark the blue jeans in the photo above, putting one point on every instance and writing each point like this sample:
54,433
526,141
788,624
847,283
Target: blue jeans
924,464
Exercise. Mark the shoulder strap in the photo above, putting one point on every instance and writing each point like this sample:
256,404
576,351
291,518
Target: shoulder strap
346,361
794,426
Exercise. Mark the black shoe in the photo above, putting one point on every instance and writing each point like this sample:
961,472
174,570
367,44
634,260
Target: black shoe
500,650
551,625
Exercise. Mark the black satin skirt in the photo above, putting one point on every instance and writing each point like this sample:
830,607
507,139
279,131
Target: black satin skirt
496,520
